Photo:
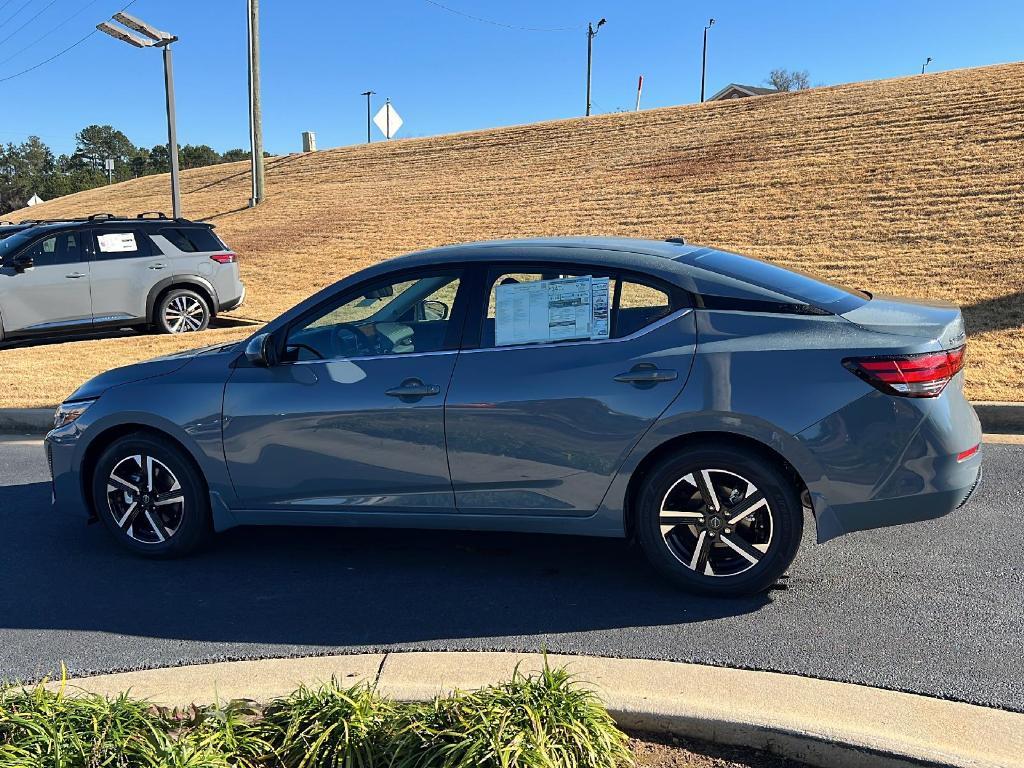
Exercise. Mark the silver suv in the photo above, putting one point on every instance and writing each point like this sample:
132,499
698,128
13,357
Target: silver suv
173,275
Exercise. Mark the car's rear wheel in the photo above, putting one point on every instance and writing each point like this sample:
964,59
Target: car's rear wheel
182,310
720,520
150,497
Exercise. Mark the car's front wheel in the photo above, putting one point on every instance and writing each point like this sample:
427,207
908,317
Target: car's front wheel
720,520
182,310
150,497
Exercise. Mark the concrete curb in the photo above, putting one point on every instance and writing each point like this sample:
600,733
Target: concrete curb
26,421
823,723
996,417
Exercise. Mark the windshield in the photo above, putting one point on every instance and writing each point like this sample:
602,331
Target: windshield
12,244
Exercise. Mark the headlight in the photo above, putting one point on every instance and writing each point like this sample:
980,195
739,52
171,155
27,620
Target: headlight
68,413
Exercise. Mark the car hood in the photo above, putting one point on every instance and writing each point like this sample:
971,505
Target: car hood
149,369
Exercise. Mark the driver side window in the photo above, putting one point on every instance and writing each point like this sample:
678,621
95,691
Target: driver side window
389,318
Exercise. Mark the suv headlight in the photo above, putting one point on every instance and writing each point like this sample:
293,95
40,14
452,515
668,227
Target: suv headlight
68,413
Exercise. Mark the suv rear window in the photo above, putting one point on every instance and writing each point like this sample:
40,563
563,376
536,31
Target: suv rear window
192,239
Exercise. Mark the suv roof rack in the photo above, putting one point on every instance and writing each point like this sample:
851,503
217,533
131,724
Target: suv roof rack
152,215
100,216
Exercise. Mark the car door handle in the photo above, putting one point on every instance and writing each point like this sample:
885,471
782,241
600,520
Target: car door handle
646,374
75,275
159,265
413,389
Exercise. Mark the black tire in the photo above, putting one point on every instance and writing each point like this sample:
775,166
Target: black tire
182,310
769,535
157,526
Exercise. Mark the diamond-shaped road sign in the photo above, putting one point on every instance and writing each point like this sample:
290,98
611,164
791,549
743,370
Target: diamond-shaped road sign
387,120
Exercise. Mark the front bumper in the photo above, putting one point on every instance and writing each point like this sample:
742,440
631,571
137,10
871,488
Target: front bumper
65,472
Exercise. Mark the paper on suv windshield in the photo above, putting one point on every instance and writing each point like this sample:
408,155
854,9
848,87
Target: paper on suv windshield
565,309
117,242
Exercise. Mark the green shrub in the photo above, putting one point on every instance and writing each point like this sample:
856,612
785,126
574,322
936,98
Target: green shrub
331,727
45,729
542,721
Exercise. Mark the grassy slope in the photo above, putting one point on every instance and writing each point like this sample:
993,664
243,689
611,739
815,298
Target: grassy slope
911,186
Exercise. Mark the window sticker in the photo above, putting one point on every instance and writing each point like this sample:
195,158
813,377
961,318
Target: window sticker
565,309
117,242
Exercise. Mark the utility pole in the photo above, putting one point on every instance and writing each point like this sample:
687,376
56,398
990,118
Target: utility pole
368,94
154,38
255,107
704,61
591,34
926,63
639,90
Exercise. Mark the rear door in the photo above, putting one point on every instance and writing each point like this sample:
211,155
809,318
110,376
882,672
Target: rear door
53,293
539,426
126,264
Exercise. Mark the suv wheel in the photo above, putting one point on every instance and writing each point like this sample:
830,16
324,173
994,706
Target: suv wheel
150,497
182,310
720,520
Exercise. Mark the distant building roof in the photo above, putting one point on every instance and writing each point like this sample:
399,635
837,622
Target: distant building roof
737,91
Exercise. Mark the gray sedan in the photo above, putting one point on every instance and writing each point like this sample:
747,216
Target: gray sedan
695,400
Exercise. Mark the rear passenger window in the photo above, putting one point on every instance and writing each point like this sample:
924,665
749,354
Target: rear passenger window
638,306
193,239
123,244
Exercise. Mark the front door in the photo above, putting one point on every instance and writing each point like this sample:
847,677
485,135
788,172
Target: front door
51,292
540,426
352,419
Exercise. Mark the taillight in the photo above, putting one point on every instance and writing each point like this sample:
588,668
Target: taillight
225,258
923,375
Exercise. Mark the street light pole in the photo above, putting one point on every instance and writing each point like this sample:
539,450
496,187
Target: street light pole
926,63
172,130
156,39
591,34
704,60
368,94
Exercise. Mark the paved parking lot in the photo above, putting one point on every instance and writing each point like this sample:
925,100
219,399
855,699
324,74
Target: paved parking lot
934,608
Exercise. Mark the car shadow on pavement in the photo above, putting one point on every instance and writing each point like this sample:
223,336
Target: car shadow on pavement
329,587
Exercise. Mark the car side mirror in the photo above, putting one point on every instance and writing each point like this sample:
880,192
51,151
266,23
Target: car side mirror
23,262
435,310
261,351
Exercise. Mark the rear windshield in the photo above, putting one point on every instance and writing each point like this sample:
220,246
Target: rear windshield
798,285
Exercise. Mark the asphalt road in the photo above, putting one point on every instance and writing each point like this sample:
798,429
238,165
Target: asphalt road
934,608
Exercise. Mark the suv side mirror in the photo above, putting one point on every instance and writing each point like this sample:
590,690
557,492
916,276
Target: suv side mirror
261,351
21,263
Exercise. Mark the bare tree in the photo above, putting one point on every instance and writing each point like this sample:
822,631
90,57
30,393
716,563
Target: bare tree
786,80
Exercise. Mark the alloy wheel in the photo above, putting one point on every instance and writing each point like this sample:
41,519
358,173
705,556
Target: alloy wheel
145,499
716,522
184,314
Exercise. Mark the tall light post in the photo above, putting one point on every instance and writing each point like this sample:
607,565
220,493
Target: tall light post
255,105
368,94
591,34
156,39
704,60
926,63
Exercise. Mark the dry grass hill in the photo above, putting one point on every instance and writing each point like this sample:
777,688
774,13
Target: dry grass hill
912,186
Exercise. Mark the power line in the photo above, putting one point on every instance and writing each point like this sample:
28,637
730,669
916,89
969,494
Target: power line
30,20
500,23
50,31
57,55
22,8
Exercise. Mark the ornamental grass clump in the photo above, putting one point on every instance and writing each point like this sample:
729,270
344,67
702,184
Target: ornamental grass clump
331,727
40,728
533,721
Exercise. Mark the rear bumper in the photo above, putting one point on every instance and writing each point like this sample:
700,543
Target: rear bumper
885,460
227,306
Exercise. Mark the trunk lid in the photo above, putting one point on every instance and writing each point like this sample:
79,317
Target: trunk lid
920,318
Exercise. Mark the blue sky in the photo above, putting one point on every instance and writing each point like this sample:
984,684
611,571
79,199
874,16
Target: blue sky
447,73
